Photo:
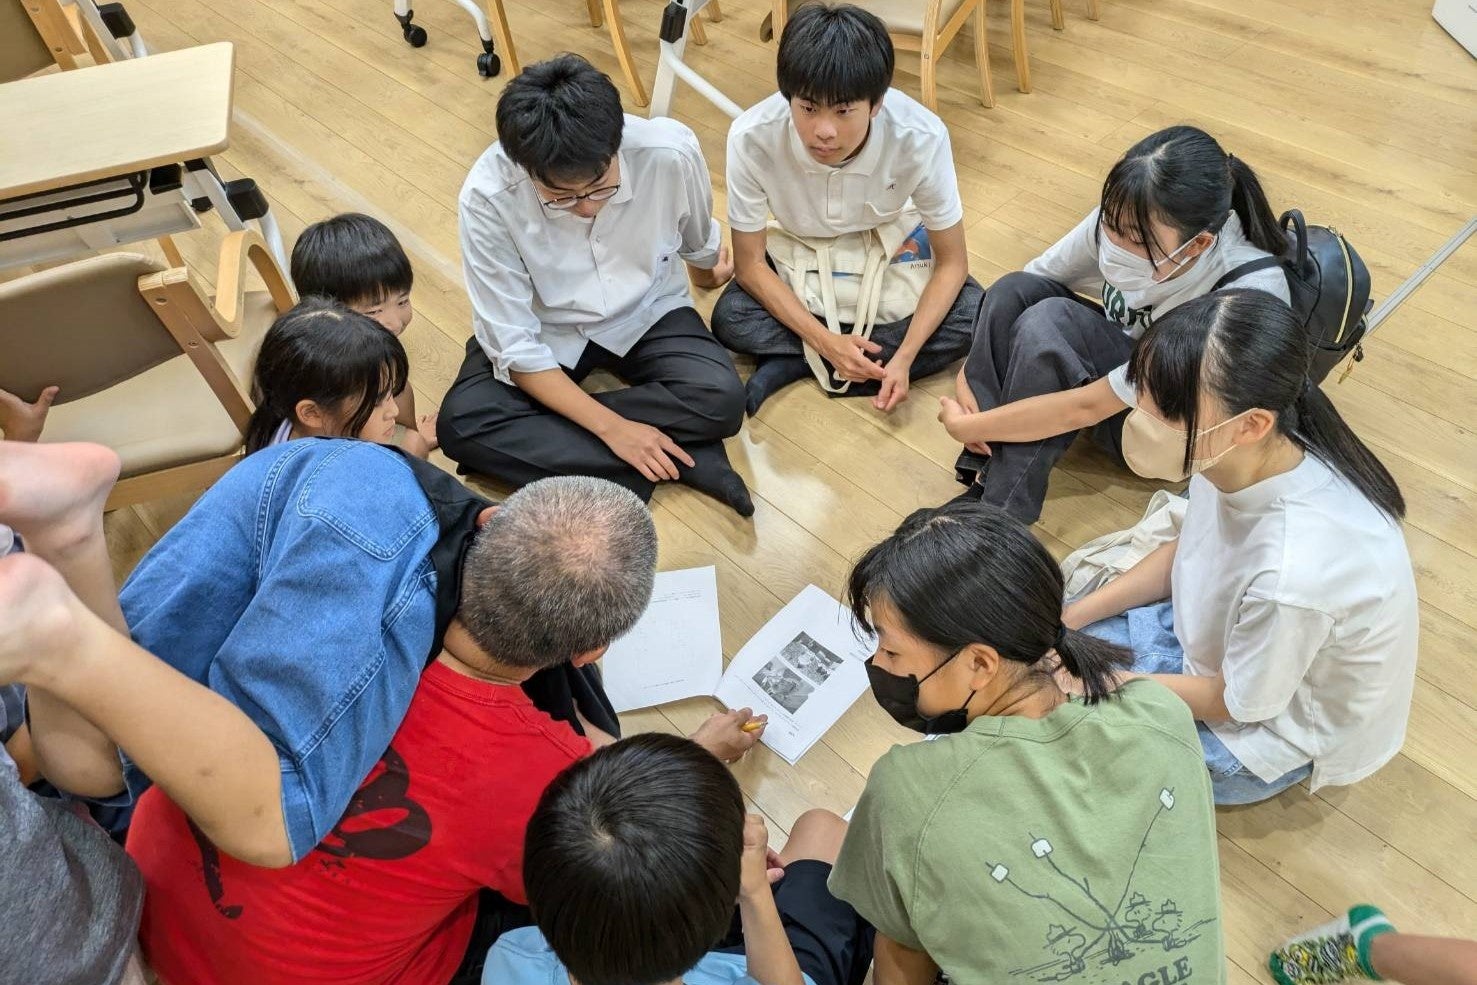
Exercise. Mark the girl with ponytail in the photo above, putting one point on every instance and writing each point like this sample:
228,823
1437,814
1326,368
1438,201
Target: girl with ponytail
1285,613
951,836
1177,214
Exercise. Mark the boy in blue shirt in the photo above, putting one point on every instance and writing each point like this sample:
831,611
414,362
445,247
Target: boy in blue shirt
632,863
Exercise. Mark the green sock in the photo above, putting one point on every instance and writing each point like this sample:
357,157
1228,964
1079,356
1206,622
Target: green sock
1338,951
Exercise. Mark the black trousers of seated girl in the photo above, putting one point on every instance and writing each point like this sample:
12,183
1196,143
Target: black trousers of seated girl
1177,214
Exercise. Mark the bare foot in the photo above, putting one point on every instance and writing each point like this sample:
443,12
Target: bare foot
38,615
427,429
21,421
54,494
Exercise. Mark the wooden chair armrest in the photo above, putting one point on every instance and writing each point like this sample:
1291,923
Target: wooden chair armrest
246,246
176,298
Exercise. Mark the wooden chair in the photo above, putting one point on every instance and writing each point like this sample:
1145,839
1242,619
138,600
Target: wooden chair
147,363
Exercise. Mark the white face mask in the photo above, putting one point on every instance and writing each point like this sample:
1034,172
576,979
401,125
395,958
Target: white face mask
1130,272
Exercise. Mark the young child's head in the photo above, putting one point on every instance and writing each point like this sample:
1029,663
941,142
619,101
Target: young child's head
835,65
356,260
632,860
561,121
326,370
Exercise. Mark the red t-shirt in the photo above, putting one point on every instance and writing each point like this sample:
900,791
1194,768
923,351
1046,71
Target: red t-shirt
390,895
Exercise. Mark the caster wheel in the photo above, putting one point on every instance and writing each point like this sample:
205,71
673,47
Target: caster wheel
488,65
416,35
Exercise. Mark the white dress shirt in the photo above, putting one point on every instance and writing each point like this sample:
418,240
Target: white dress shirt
545,283
907,156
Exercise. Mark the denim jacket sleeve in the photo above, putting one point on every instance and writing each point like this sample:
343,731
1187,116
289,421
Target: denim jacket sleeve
330,643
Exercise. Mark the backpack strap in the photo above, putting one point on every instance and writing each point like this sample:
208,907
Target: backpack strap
1249,267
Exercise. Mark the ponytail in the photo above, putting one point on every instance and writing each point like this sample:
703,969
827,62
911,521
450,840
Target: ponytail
968,573
1092,661
1315,425
1248,350
1250,204
1181,176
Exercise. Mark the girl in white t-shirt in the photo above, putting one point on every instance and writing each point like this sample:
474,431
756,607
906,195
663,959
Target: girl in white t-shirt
1177,215
1291,622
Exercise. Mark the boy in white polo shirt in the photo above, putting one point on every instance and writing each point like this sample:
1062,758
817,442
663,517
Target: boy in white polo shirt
837,151
579,230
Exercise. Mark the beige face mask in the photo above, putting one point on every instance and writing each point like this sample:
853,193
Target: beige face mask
1155,450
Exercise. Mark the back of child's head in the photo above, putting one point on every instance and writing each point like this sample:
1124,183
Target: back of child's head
833,55
632,860
561,121
321,351
352,258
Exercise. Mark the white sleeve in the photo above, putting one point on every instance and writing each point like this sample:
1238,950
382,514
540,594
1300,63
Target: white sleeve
501,293
748,203
1268,654
937,196
1122,389
701,234
1072,260
1273,280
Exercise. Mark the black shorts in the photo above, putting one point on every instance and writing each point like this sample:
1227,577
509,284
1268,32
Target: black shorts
831,942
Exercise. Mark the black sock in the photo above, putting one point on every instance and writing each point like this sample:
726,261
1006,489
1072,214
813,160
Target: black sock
713,475
771,376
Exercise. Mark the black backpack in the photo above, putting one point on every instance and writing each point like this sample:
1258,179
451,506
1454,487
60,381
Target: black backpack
1329,286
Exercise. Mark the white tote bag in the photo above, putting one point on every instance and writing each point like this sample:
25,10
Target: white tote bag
855,281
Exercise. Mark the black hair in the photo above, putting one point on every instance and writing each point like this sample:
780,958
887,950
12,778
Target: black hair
631,861
352,258
834,54
1183,178
969,572
1247,349
561,121
321,351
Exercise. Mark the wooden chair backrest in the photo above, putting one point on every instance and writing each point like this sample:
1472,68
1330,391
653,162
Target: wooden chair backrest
83,326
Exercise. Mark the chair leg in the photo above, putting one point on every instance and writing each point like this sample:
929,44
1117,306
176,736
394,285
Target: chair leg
715,13
927,73
597,19
982,55
497,19
1018,40
695,26
1092,11
1058,19
623,53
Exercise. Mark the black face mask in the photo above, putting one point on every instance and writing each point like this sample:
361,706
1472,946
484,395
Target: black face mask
898,696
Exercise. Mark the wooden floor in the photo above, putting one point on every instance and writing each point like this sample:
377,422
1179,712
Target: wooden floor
1361,112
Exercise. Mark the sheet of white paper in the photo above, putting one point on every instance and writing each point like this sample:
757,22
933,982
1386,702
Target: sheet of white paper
803,670
675,650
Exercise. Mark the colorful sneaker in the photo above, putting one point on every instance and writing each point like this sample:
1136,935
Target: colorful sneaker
1338,951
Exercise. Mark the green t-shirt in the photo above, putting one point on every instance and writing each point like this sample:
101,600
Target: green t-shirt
1079,847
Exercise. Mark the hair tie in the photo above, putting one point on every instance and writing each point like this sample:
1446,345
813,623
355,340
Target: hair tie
1061,637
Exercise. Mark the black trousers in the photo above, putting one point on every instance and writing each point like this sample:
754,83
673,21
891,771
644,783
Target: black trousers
744,325
1036,336
682,382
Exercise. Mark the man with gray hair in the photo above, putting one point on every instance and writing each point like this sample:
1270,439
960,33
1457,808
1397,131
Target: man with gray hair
420,863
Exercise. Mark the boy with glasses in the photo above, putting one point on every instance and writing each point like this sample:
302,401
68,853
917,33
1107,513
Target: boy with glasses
576,227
